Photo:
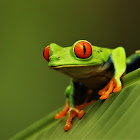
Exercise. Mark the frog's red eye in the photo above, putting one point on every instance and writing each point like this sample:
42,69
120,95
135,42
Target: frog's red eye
46,53
83,49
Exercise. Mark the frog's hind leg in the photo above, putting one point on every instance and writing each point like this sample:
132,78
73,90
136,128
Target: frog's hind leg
133,62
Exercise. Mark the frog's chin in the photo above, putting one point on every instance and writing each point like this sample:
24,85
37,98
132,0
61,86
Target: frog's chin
79,71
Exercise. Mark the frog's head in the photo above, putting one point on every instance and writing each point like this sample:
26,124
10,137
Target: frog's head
77,61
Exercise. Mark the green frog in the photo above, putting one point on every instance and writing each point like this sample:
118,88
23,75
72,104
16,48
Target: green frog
95,73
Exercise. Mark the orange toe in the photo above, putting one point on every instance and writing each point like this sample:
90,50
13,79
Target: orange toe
105,96
81,114
101,92
67,126
58,116
117,89
63,112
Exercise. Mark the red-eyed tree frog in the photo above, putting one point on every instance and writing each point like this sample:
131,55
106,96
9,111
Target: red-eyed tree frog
92,70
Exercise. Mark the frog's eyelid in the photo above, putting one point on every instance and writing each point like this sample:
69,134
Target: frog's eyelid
82,41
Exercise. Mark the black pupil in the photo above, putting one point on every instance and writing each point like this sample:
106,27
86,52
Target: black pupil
84,48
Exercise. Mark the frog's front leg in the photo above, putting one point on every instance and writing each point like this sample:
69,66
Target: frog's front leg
78,99
73,110
112,86
70,108
75,92
118,58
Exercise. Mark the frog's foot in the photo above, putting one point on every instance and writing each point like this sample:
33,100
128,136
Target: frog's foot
63,112
72,114
76,111
111,87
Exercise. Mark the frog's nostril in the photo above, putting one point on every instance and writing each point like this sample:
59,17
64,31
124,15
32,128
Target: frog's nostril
46,53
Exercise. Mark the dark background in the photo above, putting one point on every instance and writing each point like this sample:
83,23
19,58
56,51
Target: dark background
28,89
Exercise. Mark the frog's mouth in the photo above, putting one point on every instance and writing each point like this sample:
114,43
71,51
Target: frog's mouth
66,66
78,71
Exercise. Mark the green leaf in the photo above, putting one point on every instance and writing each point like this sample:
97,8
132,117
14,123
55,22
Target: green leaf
117,117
